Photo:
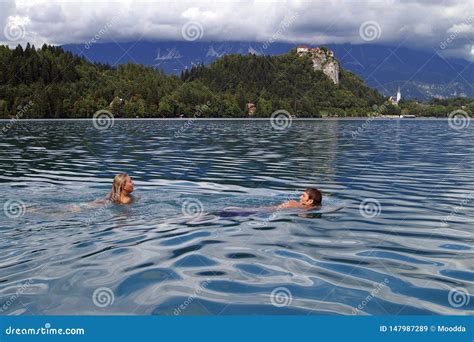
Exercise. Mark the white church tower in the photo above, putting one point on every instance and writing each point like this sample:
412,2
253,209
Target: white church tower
394,100
399,95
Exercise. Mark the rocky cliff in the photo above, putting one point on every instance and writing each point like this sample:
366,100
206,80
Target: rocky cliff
323,60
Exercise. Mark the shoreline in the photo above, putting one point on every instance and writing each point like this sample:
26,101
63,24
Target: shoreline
232,119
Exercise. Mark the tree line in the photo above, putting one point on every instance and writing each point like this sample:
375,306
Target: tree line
55,83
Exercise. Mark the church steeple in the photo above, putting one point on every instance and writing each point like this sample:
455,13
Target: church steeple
399,95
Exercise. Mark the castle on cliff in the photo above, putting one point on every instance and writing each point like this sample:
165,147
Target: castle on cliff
323,60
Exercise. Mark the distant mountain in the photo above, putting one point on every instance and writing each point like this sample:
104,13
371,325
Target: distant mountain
420,75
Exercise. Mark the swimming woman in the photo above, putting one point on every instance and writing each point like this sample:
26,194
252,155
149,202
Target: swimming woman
122,187
312,197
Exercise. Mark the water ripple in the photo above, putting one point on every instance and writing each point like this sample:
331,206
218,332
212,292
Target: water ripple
410,255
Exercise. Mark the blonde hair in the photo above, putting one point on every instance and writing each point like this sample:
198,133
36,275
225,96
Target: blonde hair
117,187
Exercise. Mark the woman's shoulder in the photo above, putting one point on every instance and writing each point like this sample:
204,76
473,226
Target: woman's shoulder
127,200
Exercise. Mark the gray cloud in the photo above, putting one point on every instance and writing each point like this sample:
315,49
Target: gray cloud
446,26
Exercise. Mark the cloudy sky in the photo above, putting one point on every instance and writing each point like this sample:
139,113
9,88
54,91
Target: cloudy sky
443,25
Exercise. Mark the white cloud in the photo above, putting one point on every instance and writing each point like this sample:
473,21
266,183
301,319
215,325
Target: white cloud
463,28
419,24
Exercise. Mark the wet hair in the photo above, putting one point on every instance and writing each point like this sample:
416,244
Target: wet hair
117,187
315,195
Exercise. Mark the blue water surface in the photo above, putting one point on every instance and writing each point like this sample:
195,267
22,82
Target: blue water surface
394,234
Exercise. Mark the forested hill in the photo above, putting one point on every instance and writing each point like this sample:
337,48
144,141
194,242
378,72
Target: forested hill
57,84
284,82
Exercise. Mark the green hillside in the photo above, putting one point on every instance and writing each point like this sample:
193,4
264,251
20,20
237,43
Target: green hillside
52,83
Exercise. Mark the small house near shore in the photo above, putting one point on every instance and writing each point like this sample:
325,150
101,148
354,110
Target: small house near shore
251,109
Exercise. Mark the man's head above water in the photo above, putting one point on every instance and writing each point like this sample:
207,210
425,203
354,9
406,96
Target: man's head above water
311,197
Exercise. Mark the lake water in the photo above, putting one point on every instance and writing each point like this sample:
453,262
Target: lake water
394,234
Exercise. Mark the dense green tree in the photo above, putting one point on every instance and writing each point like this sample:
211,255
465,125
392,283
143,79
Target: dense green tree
134,108
3,108
264,107
166,108
60,84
